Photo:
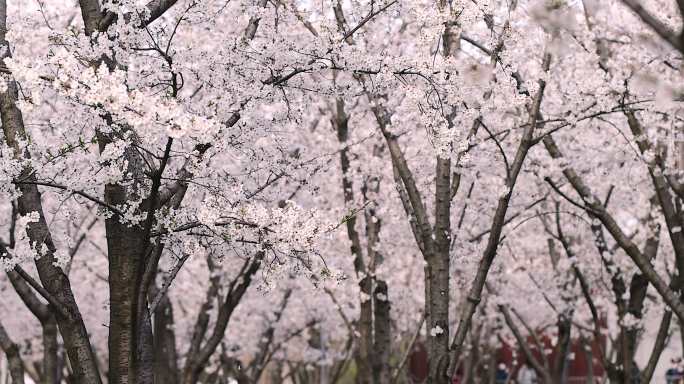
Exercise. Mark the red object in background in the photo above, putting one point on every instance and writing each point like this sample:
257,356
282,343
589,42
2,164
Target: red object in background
579,363
418,363
578,368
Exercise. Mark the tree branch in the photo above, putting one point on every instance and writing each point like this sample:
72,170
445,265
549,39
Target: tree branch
616,231
661,29
658,347
94,199
475,292
524,345
54,302
238,287
366,19
407,352
418,211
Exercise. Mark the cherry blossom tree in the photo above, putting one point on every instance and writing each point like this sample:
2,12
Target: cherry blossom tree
304,191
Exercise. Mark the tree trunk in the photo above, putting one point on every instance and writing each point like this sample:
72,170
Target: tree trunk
438,309
438,269
382,341
123,248
144,367
50,352
165,356
364,353
16,365
563,347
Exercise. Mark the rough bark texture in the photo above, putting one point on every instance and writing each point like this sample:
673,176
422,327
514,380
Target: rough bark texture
124,245
438,262
438,273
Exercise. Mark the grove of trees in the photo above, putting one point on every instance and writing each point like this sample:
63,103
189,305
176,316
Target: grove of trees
304,191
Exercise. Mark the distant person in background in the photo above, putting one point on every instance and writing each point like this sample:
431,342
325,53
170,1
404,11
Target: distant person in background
674,374
501,376
526,375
